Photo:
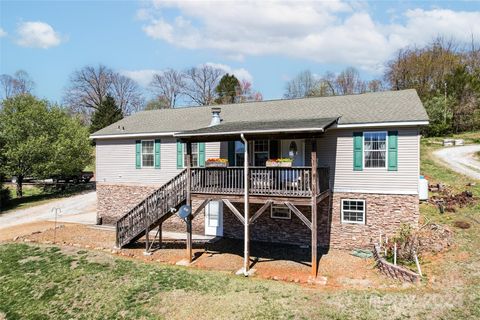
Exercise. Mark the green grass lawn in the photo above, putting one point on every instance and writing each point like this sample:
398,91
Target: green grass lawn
44,282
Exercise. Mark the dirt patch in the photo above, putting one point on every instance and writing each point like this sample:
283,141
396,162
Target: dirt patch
462,224
271,261
447,201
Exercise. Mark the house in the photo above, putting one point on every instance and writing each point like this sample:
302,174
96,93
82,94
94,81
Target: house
354,171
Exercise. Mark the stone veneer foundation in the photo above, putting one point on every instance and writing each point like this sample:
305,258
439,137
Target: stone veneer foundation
115,200
385,213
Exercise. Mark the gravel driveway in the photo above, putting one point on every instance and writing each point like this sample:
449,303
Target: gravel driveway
461,159
81,208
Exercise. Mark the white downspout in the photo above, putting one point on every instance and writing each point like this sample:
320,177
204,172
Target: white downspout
246,260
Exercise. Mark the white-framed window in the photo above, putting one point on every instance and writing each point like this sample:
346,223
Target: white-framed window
261,152
239,153
375,149
148,153
353,211
194,155
280,212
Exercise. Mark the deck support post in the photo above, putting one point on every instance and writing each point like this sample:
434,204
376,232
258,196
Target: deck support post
314,207
246,180
147,240
188,163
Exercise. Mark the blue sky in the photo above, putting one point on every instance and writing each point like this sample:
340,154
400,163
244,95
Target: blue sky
263,42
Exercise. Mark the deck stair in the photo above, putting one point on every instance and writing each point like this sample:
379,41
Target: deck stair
154,209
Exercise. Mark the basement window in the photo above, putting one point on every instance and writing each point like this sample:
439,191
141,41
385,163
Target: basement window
280,212
353,211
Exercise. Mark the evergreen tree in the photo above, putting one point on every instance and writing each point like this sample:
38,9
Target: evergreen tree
227,89
107,113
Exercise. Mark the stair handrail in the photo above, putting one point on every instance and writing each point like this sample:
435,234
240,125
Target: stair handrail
147,211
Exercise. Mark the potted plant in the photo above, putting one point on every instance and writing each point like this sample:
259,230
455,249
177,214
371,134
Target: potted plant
216,163
281,162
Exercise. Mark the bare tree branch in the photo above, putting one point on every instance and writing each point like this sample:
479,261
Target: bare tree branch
169,85
200,84
90,85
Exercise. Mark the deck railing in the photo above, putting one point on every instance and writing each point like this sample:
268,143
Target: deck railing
273,181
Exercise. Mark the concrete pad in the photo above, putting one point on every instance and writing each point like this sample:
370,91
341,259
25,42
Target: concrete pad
241,272
319,280
183,262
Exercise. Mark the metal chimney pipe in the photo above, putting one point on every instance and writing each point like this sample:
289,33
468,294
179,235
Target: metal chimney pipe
215,116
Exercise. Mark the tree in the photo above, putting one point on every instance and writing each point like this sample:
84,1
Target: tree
463,87
41,140
246,93
90,86
106,114
348,82
375,85
169,85
19,83
227,89
424,69
439,112
303,85
157,103
4,192
200,84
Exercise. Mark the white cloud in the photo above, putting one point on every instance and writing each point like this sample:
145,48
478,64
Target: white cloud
142,77
240,73
3,33
322,31
37,34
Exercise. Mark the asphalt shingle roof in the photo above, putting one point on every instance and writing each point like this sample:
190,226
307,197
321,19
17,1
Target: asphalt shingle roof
254,126
388,106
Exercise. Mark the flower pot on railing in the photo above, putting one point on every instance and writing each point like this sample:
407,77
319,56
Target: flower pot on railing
216,163
279,163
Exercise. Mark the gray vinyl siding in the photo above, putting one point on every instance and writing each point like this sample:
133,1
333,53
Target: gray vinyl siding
115,161
335,149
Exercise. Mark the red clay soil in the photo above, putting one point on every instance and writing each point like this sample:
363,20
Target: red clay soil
271,261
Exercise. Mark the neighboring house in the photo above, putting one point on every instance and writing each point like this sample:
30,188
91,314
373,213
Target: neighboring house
366,148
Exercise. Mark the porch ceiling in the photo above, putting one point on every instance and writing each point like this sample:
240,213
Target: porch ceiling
296,128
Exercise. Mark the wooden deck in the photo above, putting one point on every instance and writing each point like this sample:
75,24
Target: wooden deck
263,182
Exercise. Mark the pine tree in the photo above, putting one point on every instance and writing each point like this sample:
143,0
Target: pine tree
227,89
107,113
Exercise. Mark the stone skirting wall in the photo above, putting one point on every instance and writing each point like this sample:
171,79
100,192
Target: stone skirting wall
114,200
384,214
266,228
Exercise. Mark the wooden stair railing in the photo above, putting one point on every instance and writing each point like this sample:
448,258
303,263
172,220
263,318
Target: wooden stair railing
148,213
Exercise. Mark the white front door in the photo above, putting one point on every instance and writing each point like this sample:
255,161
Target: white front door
214,218
295,149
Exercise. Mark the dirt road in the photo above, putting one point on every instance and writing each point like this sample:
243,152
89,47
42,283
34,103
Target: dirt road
77,209
461,159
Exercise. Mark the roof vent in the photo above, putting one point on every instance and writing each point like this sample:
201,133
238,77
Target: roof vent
215,116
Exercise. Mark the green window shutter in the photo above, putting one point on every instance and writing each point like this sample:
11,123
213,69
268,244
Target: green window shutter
357,151
201,154
392,150
138,154
231,153
157,153
179,155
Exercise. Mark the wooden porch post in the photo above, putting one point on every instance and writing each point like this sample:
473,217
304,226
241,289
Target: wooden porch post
314,206
246,259
188,164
